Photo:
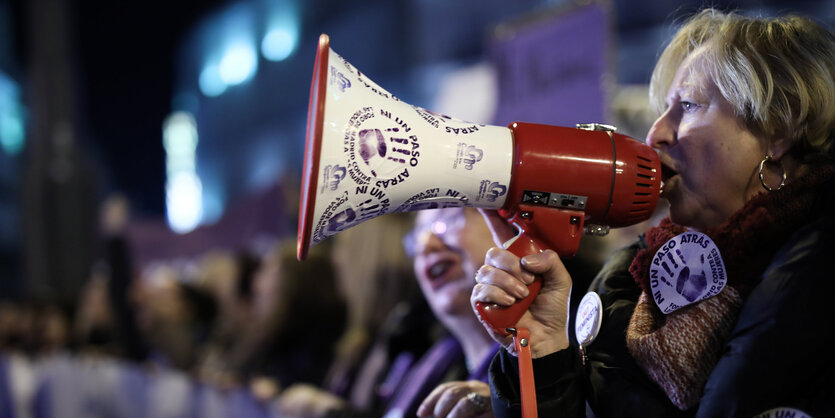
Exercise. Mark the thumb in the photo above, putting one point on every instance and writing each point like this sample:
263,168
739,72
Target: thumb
549,265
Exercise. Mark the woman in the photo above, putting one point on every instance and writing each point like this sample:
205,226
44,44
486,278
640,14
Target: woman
745,138
445,245
383,302
374,275
295,321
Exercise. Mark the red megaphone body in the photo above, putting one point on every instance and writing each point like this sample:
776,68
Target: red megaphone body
563,180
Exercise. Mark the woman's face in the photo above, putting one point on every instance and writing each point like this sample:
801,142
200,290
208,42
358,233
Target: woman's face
709,157
265,284
449,246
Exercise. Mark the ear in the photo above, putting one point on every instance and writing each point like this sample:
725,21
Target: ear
778,147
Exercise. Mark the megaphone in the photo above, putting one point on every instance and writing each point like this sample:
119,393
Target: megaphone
367,154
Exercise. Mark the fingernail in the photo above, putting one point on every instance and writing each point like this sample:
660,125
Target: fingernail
529,259
529,278
522,291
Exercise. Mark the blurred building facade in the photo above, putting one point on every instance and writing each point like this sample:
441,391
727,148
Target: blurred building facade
240,71
12,136
244,71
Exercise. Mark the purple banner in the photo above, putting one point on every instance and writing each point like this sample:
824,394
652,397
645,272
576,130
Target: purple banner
258,219
552,69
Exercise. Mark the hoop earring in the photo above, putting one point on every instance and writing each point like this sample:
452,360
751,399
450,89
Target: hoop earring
762,179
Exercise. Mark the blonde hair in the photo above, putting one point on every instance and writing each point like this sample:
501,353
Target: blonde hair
777,73
373,269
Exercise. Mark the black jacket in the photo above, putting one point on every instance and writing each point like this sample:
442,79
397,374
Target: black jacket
778,354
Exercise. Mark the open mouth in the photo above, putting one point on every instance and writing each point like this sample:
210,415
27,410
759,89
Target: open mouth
667,172
439,269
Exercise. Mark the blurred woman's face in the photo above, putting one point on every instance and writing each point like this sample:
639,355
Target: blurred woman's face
449,246
265,285
708,155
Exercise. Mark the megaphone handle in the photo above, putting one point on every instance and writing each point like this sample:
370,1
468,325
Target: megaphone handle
502,318
562,228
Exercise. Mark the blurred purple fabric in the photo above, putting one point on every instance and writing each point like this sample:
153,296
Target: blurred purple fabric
553,70
261,218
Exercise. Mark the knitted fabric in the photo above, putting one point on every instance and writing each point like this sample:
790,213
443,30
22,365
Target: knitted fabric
678,351
679,356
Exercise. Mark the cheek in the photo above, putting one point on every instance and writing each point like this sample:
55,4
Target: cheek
713,159
423,281
734,165
721,169
476,246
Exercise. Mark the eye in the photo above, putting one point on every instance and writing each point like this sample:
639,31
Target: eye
688,106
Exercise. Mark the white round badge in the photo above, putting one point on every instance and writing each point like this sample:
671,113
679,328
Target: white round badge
589,317
783,412
686,269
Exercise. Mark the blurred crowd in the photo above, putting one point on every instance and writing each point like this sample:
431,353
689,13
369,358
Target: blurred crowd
359,328
238,324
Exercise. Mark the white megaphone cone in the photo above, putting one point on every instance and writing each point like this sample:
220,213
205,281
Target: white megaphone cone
369,153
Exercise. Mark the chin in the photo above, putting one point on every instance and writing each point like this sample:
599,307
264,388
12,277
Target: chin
682,213
689,220
678,219
453,306
683,220
694,211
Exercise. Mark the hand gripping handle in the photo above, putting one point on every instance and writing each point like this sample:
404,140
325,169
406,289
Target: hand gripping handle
503,317
562,227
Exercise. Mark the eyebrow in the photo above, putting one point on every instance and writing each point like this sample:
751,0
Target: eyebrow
692,90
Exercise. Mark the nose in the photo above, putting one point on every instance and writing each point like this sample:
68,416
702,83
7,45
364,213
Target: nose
663,132
429,242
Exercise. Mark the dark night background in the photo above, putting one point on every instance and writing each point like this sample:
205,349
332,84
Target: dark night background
125,57
129,63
